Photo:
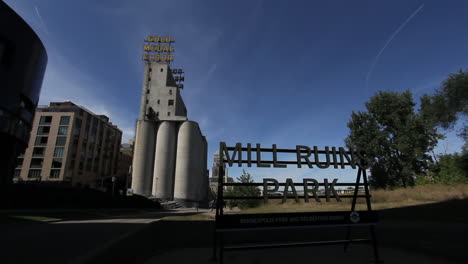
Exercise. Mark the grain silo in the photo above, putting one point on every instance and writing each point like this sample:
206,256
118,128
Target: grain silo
143,157
170,156
164,163
190,167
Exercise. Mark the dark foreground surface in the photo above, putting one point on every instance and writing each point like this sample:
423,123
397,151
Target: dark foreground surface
435,233
60,195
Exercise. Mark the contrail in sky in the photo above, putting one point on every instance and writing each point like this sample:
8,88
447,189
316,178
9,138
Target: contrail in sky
394,34
42,21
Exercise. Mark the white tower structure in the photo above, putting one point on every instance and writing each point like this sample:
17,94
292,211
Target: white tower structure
170,158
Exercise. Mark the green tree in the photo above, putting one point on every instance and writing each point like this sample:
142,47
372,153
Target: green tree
244,191
449,170
395,137
447,106
450,101
213,195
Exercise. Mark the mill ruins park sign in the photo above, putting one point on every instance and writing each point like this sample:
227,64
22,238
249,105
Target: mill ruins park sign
304,156
301,157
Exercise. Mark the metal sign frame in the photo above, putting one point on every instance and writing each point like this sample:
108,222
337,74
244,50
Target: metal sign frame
250,222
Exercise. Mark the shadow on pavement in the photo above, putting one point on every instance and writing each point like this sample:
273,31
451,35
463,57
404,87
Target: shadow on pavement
435,231
418,233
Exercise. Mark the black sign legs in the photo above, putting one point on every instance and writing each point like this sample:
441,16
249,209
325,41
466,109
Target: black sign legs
374,245
372,228
221,248
348,234
218,244
353,205
215,242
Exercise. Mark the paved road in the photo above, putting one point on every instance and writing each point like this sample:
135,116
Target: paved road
73,241
405,236
330,254
189,242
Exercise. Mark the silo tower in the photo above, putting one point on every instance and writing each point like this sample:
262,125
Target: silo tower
169,162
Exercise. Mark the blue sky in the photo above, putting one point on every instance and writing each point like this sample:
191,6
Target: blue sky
283,72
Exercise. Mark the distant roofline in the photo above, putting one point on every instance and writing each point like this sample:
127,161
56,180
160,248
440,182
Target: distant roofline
85,109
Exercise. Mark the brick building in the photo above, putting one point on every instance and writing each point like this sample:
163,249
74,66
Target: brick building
70,144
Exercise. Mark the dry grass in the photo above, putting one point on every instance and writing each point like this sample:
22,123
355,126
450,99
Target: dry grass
423,193
194,217
381,199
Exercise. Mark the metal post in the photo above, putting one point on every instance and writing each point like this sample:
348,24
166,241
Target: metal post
369,208
215,242
353,205
375,246
221,248
219,205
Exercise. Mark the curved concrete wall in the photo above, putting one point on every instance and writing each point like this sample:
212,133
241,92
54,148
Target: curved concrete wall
205,186
204,180
164,163
189,168
143,159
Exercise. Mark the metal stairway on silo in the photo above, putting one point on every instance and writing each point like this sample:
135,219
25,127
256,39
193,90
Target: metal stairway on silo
170,205
166,204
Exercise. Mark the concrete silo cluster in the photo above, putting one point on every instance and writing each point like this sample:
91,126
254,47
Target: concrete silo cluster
170,156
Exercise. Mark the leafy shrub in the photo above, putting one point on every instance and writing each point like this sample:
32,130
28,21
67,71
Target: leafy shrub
244,191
